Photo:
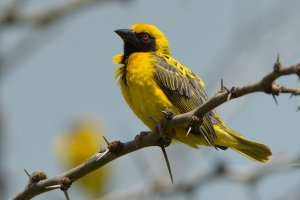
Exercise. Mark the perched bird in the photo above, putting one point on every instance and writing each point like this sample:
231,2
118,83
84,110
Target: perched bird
151,80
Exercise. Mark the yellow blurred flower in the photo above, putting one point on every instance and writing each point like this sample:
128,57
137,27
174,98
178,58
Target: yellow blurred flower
78,144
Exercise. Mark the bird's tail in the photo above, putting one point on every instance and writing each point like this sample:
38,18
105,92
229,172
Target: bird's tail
226,137
252,150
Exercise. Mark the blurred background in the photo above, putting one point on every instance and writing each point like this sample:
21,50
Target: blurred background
58,96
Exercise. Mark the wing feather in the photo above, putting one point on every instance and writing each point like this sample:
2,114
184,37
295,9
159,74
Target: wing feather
185,90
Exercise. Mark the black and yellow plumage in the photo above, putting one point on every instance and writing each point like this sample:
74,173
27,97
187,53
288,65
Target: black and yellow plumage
151,81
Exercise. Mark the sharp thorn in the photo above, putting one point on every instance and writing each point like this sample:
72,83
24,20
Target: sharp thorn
206,139
167,162
27,173
105,140
277,64
222,85
102,154
66,195
210,143
229,96
188,132
53,187
274,97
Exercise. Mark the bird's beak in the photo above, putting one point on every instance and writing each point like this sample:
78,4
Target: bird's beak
127,35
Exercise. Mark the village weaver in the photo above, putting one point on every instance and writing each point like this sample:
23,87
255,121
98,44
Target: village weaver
151,80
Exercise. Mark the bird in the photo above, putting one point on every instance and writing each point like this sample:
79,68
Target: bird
77,144
151,80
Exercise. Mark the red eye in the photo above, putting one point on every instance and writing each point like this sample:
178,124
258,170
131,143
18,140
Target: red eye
145,37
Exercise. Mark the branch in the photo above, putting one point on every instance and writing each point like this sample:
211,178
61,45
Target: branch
231,173
267,85
13,16
247,177
117,149
35,22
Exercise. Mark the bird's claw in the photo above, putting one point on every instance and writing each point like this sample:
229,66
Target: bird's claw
168,113
164,134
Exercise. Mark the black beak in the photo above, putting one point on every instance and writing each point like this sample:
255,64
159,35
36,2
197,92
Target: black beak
127,35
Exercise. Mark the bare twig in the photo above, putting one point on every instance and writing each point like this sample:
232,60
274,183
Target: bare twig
221,170
13,16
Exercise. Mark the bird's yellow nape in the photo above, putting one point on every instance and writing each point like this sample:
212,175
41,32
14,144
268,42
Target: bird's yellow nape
161,41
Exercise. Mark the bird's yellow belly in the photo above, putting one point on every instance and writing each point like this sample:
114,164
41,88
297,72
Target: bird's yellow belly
142,93
146,100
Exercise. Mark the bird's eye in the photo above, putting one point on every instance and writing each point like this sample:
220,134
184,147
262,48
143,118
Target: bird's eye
145,37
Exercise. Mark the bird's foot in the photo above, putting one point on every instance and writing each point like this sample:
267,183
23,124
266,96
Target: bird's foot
164,133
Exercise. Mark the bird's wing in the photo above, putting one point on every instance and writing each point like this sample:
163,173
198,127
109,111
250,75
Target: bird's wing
185,90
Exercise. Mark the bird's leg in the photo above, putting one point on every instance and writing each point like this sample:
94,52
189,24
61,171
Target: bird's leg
160,128
164,133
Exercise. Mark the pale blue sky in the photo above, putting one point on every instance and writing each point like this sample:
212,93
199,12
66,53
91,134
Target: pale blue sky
67,72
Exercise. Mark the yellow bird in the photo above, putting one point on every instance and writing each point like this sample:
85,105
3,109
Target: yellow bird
76,145
151,80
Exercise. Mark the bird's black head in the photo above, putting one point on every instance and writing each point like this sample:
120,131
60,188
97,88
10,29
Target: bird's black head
136,42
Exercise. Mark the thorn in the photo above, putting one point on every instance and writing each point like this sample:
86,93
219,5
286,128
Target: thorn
27,173
274,97
222,85
66,194
102,154
229,96
223,88
53,187
209,143
167,162
277,64
188,132
105,140
195,122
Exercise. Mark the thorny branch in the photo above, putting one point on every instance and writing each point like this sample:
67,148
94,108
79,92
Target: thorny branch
117,149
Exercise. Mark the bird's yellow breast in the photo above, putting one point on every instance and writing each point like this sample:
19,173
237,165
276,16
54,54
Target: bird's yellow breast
141,92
